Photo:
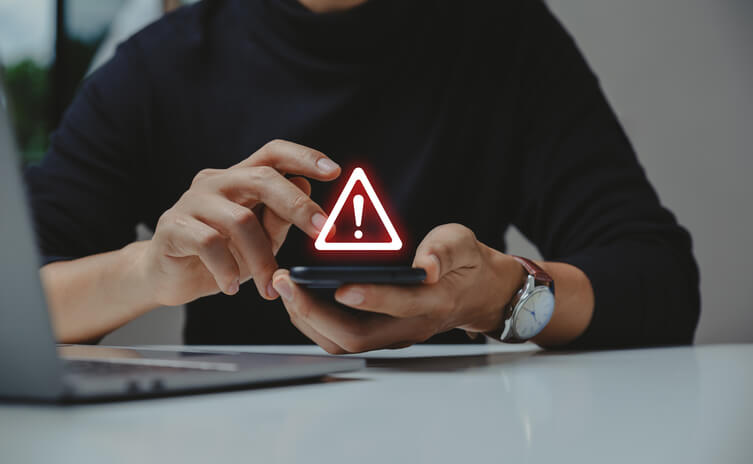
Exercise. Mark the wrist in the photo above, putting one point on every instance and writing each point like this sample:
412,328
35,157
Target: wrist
507,277
139,283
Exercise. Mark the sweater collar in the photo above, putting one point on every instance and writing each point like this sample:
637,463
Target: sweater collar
371,31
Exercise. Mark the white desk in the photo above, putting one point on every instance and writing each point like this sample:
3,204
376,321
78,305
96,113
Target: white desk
683,405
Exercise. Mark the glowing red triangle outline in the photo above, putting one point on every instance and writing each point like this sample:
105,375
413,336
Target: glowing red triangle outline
321,241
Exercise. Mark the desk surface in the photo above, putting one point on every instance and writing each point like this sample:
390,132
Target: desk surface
429,404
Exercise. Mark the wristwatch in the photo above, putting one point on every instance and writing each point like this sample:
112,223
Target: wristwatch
531,308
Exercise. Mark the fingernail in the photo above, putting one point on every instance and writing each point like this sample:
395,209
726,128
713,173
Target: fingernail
318,220
283,288
351,297
233,288
326,165
271,292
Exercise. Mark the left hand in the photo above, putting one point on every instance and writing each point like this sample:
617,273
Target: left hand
467,286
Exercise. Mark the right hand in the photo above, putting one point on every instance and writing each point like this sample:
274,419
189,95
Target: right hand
227,228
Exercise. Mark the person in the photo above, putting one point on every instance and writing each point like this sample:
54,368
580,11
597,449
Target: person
222,126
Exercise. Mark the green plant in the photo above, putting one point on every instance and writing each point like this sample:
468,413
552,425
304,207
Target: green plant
28,88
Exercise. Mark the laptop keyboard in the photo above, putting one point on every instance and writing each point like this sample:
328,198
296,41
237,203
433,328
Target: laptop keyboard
143,366
116,368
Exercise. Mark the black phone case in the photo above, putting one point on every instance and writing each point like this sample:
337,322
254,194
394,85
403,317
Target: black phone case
336,276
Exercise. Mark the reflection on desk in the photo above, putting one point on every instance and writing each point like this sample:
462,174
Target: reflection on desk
429,404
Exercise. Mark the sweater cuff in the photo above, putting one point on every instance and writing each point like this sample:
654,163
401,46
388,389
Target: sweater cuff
615,277
49,259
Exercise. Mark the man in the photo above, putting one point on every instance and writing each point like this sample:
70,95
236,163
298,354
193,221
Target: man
474,115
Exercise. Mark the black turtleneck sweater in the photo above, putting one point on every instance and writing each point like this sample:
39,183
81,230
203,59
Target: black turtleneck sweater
476,112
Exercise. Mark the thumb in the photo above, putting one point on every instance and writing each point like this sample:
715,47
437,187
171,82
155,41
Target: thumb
445,248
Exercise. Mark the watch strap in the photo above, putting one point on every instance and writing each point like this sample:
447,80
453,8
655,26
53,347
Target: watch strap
533,269
541,277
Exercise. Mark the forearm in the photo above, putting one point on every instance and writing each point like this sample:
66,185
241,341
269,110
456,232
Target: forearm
92,296
573,307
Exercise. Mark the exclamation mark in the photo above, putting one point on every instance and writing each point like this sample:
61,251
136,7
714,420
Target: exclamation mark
358,208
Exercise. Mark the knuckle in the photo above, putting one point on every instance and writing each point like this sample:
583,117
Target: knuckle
168,229
210,239
263,173
300,202
304,311
201,175
272,147
298,313
171,221
458,232
274,144
242,217
454,227
310,155
167,219
467,233
188,198
293,316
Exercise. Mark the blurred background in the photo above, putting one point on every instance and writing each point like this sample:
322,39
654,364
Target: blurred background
679,74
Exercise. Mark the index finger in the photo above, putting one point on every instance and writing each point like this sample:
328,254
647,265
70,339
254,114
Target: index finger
266,185
292,158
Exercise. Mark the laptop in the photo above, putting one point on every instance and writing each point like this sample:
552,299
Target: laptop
34,367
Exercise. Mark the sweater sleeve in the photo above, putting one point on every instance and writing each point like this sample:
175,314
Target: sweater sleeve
87,192
586,199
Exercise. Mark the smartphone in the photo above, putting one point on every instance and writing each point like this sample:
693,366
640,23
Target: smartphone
336,276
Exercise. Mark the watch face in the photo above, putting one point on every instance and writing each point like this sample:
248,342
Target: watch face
533,313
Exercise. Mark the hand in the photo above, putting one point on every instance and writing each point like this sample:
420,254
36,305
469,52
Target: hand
229,225
467,286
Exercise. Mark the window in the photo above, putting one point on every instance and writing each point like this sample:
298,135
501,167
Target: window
48,46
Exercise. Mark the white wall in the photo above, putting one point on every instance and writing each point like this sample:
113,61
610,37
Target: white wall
679,73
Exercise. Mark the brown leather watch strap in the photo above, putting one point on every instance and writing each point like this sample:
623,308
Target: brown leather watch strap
539,274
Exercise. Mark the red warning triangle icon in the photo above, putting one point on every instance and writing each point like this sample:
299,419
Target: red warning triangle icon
394,243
